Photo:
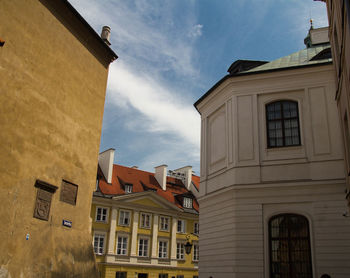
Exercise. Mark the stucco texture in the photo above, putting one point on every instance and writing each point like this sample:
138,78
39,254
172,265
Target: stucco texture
51,107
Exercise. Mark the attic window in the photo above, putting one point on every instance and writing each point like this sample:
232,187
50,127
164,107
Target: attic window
187,202
128,188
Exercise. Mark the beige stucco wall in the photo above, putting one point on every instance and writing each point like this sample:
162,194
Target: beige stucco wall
244,183
234,130
51,106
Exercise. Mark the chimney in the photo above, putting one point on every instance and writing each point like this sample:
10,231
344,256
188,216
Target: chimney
105,34
187,171
105,160
160,175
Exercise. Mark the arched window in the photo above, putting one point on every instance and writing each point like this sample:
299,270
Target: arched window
290,252
282,122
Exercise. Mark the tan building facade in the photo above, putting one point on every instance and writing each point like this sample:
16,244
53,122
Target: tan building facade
53,74
272,180
339,33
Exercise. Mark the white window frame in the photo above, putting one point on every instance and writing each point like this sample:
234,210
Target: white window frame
164,223
103,217
163,248
180,250
123,249
196,228
121,219
143,220
99,234
143,245
182,229
188,202
128,188
195,257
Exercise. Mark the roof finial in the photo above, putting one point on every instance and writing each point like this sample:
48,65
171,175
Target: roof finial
311,24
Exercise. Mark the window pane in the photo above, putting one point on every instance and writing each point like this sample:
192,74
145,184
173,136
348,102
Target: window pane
294,123
279,142
272,125
278,111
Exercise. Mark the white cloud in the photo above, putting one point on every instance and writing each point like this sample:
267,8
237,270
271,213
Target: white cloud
165,111
145,34
196,31
300,13
152,44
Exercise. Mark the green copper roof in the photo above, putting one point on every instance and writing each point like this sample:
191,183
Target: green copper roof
300,58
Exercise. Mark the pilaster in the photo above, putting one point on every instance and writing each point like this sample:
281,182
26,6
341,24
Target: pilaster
154,253
112,226
173,260
135,223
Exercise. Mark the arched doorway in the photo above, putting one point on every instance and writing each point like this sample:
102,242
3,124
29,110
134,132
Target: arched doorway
289,244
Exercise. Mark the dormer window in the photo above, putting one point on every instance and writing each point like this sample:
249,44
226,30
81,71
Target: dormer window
187,202
128,188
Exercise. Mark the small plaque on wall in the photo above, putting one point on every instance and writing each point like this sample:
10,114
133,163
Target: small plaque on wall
43,199
69,192
67,223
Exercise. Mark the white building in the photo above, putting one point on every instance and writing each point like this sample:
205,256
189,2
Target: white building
272,170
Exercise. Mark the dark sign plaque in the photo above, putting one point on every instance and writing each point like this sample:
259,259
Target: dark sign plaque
69,192
67,223
43,199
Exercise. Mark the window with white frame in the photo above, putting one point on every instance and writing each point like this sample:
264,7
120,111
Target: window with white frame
196,228
187,202
128,188
122,245
145,220
180,251
143,247
195,252
101,214
99,243
163,249
124,218
164,223
181,226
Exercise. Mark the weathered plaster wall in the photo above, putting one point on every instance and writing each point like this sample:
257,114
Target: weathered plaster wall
51,106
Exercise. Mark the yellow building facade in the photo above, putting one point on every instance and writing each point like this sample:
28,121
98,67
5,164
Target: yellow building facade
140,230
53,75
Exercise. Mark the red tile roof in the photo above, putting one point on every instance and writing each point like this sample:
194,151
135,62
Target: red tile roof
144,181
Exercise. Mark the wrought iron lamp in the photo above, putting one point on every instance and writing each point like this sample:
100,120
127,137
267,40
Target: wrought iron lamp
188,245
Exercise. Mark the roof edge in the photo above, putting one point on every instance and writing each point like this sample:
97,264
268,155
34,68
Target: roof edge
88,26
252,73
70,17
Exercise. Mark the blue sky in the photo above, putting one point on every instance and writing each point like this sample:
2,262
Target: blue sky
170,53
